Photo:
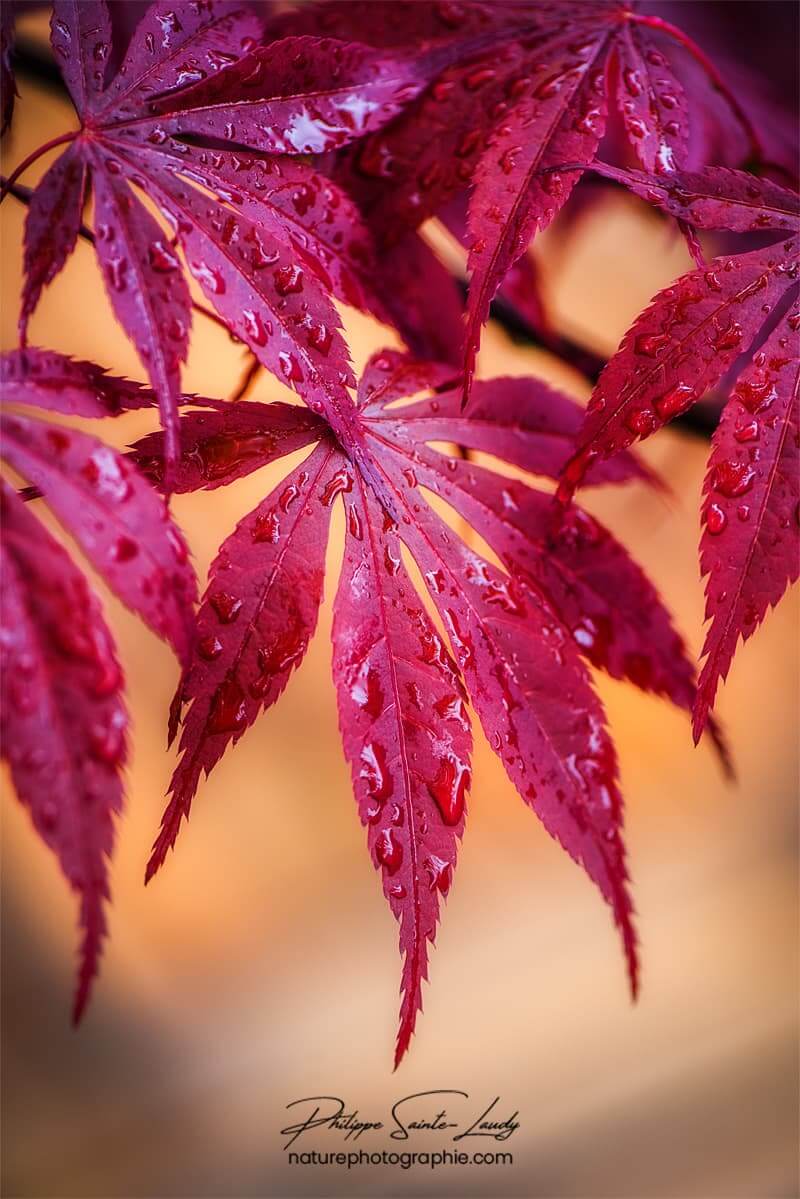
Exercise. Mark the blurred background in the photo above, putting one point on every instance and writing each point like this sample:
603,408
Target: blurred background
261,965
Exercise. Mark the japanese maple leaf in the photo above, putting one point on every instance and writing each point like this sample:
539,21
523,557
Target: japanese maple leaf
526,89
517,635
269,240
693,332
63,715
750,549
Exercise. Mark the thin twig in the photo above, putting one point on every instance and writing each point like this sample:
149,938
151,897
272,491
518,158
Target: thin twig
248,378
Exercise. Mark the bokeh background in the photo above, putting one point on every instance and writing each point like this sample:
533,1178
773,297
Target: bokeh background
261,965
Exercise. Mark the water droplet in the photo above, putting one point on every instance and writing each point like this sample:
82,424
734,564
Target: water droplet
209,647
449,789
632,81
162,259
716,519
476,79
469,143
354,524
125,549
549,87
341,482
117,270
254,327
228,711
367,692
286,651
499,592
641,421
374,772
290,367
651,344
209,278
288,279
107,742
440,874
733,478
319,337
508,159
288,496
226,606
727,339
388,851
266,527
747,431
755,395
677,399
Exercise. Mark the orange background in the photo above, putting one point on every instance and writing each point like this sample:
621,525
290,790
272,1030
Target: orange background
261,965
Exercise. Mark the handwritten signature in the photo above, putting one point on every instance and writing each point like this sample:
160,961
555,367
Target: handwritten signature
423,1112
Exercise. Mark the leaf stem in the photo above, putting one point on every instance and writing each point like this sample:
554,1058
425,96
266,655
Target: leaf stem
248,378
666,27
32,157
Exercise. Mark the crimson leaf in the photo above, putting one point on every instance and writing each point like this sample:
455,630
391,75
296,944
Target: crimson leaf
524,90
518,635
750,549
275,242
63,719
119,521
680,346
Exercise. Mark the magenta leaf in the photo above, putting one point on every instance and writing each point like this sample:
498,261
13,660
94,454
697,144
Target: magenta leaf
63,718
422,299
170,50
524,421
651,99
551,737
57,383
119,521
227,443
392,375
80,34
299,95
51,230
714,198
146,288
516,637
254,625
677,348
270,267
561,122
749,548
614,613
406,734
